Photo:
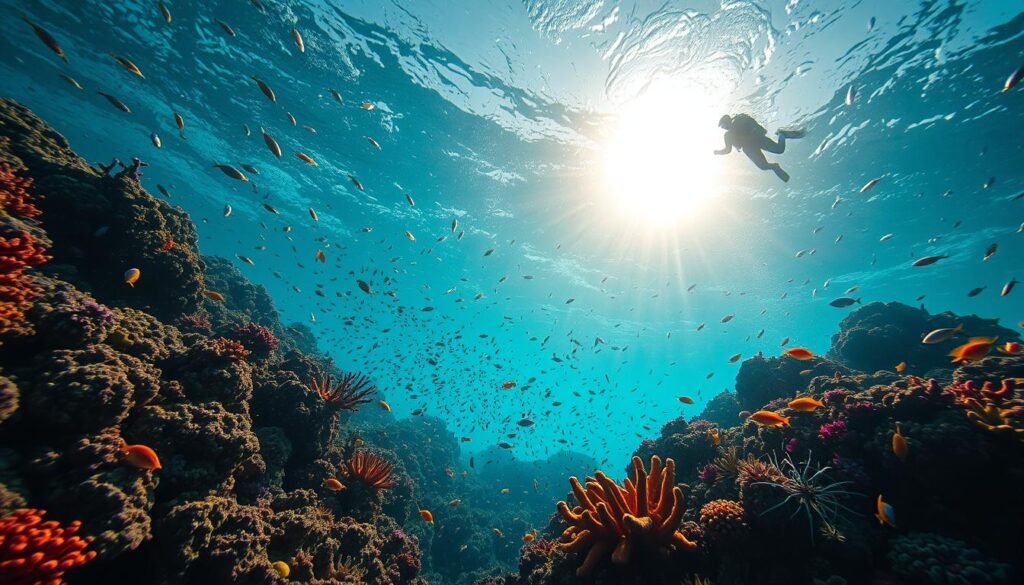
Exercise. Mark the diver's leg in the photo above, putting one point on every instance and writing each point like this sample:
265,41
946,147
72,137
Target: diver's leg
757,157
768,145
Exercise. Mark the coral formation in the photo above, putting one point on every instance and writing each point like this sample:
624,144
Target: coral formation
371,470
643,517
936,560
35,551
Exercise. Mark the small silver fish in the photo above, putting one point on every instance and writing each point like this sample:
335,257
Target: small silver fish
155,139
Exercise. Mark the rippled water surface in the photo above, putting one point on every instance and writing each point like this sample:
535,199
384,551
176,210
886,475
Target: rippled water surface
571,142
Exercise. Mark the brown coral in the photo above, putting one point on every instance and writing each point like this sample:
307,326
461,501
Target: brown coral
645,514
350,391
370,469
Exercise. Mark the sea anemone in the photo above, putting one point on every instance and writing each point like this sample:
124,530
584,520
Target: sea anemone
370,469
819,499
350,391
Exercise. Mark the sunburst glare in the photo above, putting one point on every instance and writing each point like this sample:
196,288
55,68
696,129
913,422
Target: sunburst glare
658,161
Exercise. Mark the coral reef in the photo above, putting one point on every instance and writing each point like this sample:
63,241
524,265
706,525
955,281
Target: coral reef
241,442
934,559
371,470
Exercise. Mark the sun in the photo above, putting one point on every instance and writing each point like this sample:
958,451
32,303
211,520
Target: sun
658,160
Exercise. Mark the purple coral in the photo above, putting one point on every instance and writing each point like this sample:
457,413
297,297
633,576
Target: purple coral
836,396
198,322
257,339
834,430
709,473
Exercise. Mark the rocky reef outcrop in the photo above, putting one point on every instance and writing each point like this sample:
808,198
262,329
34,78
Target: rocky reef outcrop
169,422
875,476
878,336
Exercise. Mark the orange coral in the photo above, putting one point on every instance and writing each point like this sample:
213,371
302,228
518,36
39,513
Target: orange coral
370,469
18,251
14,196
350,391
647,513
36,552
229,348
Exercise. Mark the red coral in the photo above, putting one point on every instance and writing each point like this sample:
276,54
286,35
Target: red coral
36,552
18,251
14,196
230,349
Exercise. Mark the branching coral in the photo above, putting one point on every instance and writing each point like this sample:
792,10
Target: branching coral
14,196
257,338
812,493
996,418
350,391
646,514
18,251
370,469
37,552
230,349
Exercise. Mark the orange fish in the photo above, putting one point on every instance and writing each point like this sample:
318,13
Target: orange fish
508,385
800,353
805,404
454,502
131,276
805,372
975,349
715,437
320,257
899,444
885,513
901,366
141,456
427,516
167,245
743,413
333,484
529,536
213,295
384,405
686,400
503,491
769,419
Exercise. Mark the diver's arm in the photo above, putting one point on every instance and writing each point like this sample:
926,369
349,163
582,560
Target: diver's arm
727,149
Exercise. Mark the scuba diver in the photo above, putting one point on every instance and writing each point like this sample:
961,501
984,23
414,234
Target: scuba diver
744,134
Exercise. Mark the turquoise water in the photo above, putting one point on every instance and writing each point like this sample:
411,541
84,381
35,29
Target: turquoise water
540,126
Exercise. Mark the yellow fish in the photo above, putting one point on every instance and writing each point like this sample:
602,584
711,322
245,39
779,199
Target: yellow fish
282,568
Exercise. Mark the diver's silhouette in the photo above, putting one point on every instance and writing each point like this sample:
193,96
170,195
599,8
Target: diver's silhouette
744,134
